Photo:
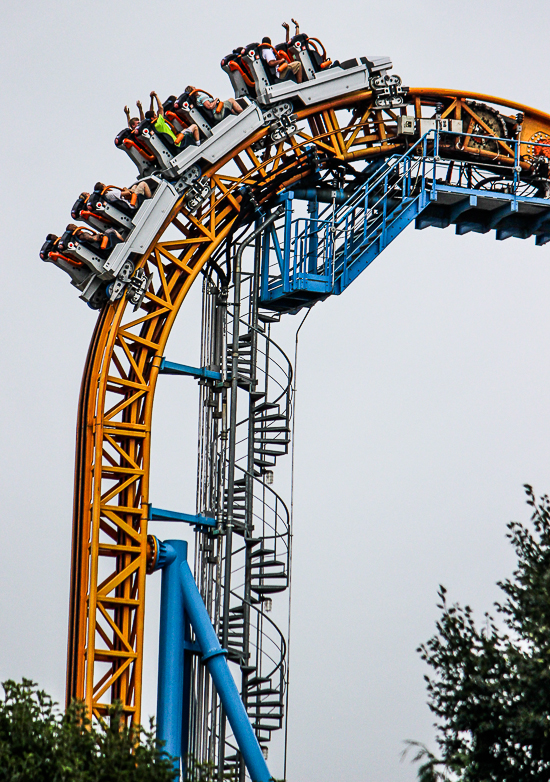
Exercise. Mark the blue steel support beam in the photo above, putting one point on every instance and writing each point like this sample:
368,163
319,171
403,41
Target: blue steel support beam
181,605
214,657
287,239
171,368
174,670
160,514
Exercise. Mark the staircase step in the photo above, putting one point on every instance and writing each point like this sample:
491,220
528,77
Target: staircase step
269,440
266,406
270,575
260,552
267,728
234,655
258,680
268,589
268,318
268,704
267,691
255,715
268,563
261,429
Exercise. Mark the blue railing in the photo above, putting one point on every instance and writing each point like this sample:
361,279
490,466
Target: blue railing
322,255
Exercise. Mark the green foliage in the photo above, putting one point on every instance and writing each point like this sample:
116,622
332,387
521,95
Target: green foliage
490,685
200,772
428,771
38,743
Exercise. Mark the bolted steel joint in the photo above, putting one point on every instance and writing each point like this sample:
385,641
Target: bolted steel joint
159,554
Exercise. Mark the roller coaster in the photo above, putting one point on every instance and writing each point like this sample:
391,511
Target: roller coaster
279,206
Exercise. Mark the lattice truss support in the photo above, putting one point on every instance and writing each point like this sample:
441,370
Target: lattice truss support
114,431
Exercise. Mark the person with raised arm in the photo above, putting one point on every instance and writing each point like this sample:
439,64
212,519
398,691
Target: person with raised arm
184,139
279,63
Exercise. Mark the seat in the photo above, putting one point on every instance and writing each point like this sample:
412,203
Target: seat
50,252
68,242
239,73
127,139
147,125
270,70
173,115
98,199
144,159
284,54
312,50
191,98
186,105
48,246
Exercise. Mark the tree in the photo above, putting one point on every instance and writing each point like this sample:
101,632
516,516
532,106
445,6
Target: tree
490,685
38,743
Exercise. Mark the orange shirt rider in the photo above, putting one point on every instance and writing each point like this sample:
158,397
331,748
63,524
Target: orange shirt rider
283,68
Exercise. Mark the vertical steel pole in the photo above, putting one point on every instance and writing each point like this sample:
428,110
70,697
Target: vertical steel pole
287,240
232,452
172,706
313,209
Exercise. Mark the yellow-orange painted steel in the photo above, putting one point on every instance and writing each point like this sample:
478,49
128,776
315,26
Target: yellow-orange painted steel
118,386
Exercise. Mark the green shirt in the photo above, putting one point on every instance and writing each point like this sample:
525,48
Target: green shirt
163,127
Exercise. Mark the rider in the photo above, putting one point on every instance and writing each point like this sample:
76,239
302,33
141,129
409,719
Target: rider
282,66
136,194
184,139
220,109
134,121
104,241
287,29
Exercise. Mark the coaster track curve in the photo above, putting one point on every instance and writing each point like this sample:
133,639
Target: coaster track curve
109,552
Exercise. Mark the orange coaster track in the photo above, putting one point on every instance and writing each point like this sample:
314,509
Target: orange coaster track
109,555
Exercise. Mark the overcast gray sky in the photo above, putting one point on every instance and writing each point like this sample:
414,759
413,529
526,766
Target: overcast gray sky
422,390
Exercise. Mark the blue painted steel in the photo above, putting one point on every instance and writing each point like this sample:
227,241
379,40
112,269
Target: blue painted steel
322,257
181,607
171,368
313,209
324,195
159,514
214,656
174,669
286,246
